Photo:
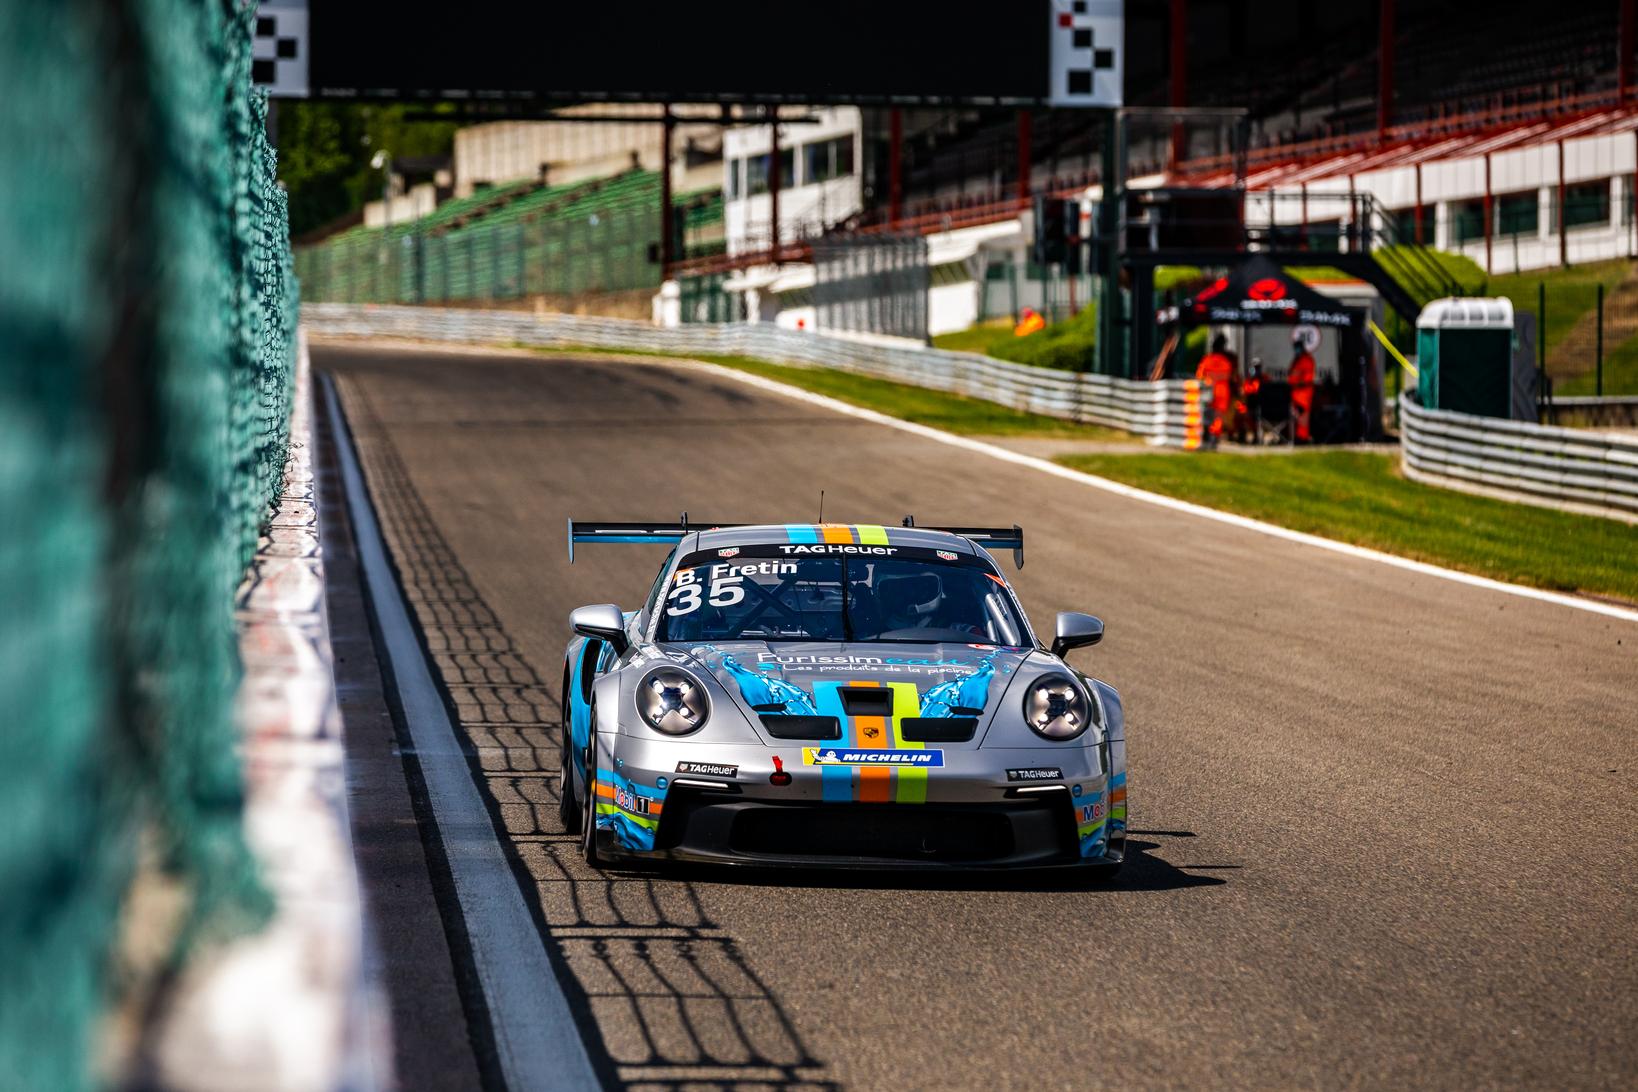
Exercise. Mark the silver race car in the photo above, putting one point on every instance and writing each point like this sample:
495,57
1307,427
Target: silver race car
829,695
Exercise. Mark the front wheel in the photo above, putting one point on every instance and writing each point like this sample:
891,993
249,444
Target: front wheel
588,826
569,811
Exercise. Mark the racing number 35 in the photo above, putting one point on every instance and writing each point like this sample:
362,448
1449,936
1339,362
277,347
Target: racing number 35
685,595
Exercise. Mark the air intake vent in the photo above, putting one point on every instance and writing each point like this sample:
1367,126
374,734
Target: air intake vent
800,727
937,729
867,701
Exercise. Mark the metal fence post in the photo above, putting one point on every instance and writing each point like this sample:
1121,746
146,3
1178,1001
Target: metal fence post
1541,346
1600,374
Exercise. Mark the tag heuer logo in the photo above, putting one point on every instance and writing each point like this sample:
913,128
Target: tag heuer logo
1036,773
946,555
708,769
728,551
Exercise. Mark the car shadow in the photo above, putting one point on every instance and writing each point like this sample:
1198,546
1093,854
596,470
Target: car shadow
1144,870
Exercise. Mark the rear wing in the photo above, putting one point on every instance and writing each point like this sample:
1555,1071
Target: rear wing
991,538
581,531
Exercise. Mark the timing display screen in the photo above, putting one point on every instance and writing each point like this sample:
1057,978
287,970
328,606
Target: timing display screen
838,51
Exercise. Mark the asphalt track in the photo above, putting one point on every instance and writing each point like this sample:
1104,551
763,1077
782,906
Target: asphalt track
1386,822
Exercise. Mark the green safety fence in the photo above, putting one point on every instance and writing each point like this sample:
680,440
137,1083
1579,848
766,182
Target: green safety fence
147,324
515,241
609,250
704,299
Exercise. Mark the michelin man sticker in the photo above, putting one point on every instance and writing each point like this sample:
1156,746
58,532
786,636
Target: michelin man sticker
841,756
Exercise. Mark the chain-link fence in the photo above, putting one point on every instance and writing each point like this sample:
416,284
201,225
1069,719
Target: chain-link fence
147,314
612,250
703,299
871,284
1587,320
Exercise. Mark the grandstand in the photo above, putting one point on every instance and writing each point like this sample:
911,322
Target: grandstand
1367,131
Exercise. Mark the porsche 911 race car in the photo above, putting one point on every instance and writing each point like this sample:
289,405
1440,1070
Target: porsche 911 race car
830,695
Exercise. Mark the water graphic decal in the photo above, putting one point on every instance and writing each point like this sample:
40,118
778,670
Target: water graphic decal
971,692
762,690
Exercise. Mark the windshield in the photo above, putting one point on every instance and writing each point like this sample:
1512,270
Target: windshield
760,594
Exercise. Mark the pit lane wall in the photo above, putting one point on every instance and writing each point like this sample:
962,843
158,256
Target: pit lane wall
290,1007
1580,470
148,313
1160,411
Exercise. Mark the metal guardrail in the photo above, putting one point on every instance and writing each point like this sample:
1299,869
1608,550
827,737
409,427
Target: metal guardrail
1538,464
1154,410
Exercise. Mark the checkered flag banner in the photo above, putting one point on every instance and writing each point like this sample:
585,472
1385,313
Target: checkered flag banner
279,49
1088,43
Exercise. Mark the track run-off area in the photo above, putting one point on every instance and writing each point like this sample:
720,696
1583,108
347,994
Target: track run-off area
1384,822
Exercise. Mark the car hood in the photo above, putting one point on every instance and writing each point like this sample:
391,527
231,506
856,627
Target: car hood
947,678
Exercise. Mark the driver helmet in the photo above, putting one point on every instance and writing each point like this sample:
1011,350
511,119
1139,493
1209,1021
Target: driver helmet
909,602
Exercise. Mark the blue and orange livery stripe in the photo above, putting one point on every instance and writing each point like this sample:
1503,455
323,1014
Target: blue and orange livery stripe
871,784
862,534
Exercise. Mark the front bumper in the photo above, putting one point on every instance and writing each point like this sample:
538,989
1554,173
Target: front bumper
655,804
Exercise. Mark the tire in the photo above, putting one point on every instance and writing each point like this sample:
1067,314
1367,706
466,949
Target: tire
588,825
569,811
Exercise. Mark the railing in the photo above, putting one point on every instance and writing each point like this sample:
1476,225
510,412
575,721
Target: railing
1599,411
1153,410
1421,129
1538,464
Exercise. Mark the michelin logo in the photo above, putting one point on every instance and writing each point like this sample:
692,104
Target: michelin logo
839,756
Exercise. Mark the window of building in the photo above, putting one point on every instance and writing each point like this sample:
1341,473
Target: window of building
1587,204
1467,220
1517,213
1404,224
756,172
826,159
1324,235
736,178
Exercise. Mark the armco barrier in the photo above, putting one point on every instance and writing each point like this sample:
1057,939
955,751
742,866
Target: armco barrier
1540,464
1154,410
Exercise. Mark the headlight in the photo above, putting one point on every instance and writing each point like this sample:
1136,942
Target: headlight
672,702
1056,709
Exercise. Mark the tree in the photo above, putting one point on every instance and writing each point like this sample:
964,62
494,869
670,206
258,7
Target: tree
325,150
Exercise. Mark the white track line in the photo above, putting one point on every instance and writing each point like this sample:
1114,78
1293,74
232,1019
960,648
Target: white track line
538,1045
1591,606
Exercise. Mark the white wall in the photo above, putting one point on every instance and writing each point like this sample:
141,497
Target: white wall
418,202
511,151
805,207
951,307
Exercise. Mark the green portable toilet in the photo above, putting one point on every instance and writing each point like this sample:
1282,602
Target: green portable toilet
1464,356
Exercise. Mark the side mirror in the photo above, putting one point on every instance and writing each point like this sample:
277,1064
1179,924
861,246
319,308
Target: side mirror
1076,631
602,622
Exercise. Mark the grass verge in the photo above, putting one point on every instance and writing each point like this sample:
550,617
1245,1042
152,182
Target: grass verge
1360,497
936,409
981,338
